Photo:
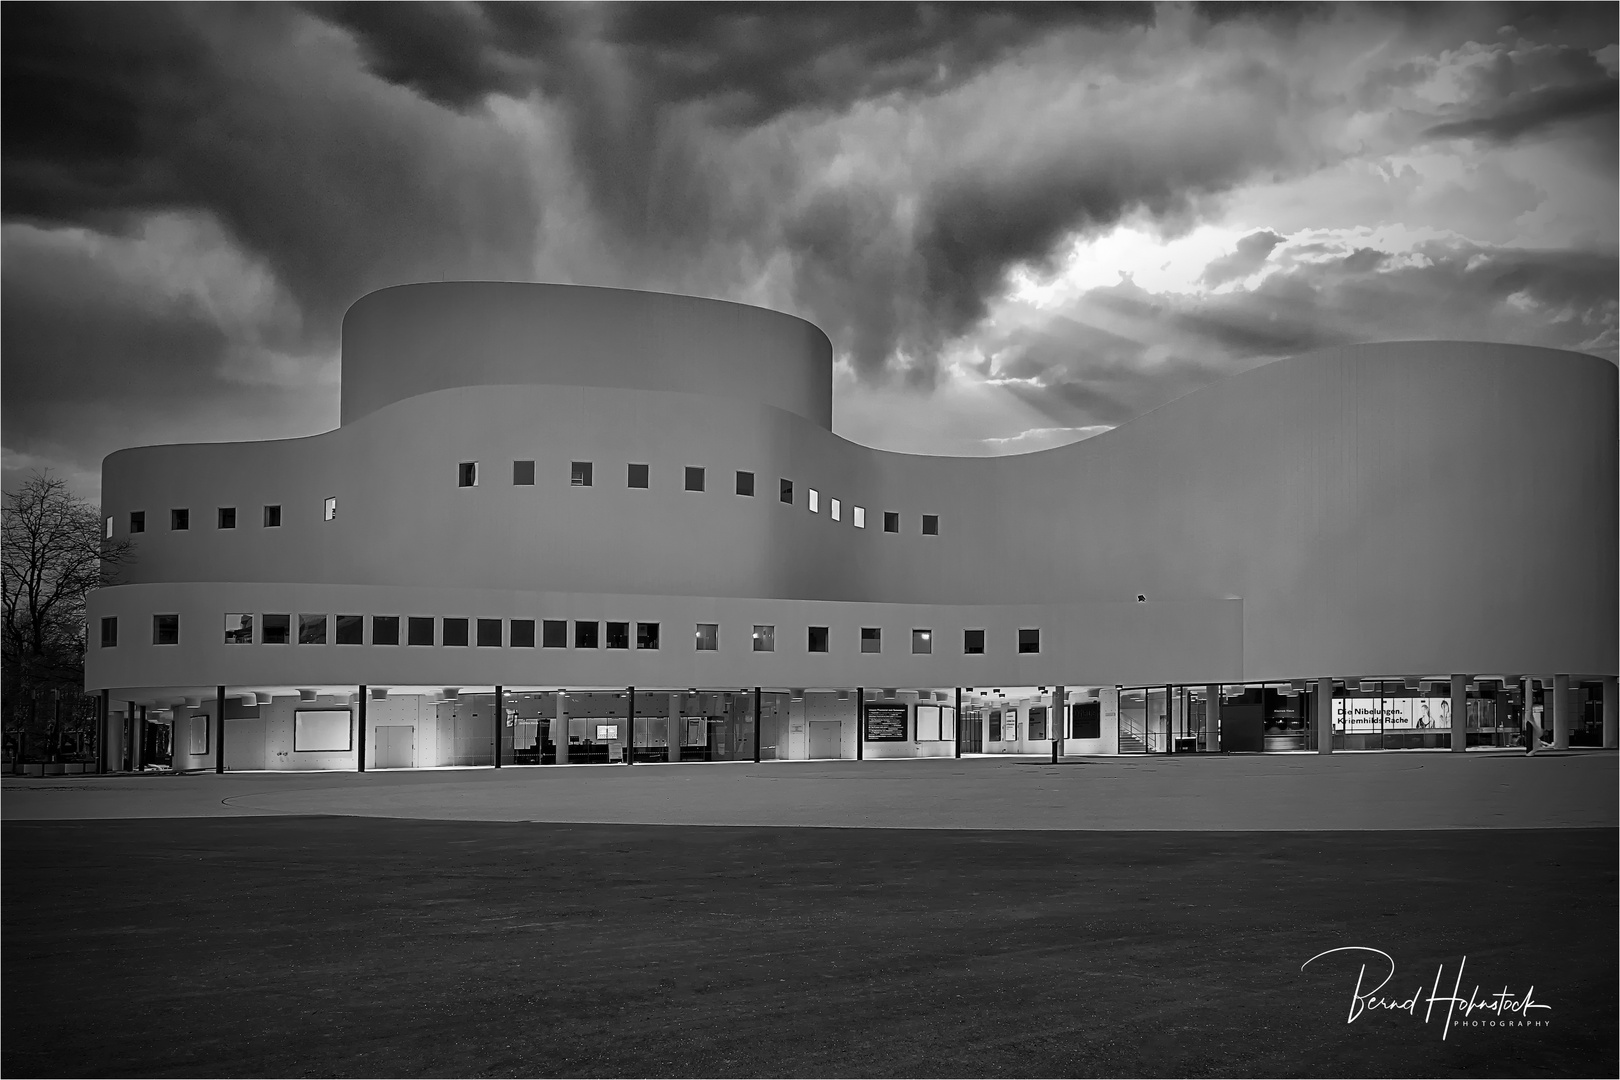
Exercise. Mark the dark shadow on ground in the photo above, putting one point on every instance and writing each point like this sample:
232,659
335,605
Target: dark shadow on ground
365,947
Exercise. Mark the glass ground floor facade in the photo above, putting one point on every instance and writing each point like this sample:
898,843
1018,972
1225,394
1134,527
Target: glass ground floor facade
406,727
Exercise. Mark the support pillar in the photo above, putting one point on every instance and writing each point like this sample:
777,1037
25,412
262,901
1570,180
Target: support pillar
1611,703
1212,719
630,727
674,736
1324,716
1459,712
1527,718
957,741
137,739
219,729
860,723
360,736
104,731
126,736
759,723
1058,720
1561,712
500,721
559,736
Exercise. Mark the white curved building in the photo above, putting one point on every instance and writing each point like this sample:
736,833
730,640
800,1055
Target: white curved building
543,496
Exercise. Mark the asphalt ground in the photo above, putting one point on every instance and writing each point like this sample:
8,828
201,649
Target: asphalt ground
289,945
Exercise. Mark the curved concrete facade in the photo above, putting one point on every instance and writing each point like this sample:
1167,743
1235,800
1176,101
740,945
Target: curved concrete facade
1406,509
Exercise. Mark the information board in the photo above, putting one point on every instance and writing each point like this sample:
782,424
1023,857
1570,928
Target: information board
885,723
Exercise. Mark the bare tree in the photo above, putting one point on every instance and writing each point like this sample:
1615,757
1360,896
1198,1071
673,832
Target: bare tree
52,553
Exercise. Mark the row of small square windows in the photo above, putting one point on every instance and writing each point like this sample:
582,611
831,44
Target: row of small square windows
419,630
582,474
180,518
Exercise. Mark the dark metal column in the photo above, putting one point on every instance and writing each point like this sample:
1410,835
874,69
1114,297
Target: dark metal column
219,720
1169,720
1059,720
630,729
104,731
360,736
759,724
860,723
500,721
958,746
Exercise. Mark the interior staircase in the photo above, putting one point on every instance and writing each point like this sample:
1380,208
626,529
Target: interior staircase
1130,742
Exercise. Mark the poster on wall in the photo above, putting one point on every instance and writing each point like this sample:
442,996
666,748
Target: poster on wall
928,726
321,730
885,723
1391,714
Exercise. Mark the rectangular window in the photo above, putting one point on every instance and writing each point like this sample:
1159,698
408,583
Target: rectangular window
786,494
638,476
922,641
818,639
272,517
489,633
708,637
647,635
455,632
764,638
580,474
1085,720
238,628
973,642
585,634
871,639
108,531
277,629
995,725
523,474
891,521
179,520
321,730
419,630
198,734
331,508
930,524
109,631
694,478
554,634
1037,722
137,521
745,483
522,633
1029,641
858,516
351,630
618,635
835,509
815,501
312,629
467,474
227,517
928,723
385,629
165,629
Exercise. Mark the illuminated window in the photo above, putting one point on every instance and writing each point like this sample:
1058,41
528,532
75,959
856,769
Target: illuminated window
331,508
419,630
585,634
891,521
764,639
580,474
272,517
694,478
108,533
277,630
745,483
930,524
922,641
350,630
708,636
489,633
467,474
637,477
1029,641
312,629
834,509
165,629
522,633
871,639
109,631
523,474
973,642
385,629
858,516
618,635
554,634
179,520
227,517
818,639
815,501
238,628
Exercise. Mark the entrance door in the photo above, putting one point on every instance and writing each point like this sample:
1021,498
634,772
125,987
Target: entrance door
826,738
396,747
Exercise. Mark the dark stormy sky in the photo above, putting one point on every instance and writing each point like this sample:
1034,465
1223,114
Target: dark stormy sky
1019,225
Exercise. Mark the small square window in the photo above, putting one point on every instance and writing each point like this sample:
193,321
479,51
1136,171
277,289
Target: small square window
419,630
930,524
351,630
638,476
165,629
891,521
455,631
385,629
1029,641
973,642
522,633
489,633
871,639
137,521
694,478
109,631
815,501
272,517
277,629
523,474
858,516
818,639
708,637
331,508
764,639
745,483
618,635
922,641
467,474
786,494
238,628
227,517
554,634
312,629
179,520
580,474
647,635
585,634
835,509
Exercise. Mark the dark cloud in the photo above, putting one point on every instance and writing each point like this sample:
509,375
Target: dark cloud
1536,110
1249,255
